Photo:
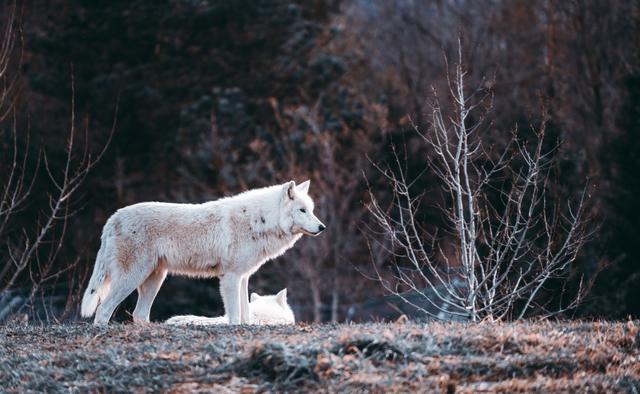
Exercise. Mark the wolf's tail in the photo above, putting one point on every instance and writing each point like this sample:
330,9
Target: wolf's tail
98,284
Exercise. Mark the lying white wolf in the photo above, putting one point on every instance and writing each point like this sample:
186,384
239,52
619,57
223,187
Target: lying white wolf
229,238
263,310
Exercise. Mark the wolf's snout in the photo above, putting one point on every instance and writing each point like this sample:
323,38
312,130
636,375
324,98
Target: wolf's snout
321,228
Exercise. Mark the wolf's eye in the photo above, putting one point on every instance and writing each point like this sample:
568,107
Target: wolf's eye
303,210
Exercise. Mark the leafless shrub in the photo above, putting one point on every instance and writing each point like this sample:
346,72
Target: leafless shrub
28,251
510,239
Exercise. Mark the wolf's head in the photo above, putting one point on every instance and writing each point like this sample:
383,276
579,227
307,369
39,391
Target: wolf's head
271,309
296,212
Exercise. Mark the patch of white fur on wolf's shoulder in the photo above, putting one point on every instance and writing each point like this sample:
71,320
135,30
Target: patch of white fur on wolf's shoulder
257,194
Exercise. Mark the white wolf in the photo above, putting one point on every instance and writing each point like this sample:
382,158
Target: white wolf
267,310
229,238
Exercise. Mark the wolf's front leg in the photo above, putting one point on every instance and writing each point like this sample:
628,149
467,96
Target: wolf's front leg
230,291
245,317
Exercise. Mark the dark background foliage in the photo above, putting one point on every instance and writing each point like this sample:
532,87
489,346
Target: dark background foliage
215,97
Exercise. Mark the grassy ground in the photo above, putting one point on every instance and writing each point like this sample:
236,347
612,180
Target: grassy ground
542,357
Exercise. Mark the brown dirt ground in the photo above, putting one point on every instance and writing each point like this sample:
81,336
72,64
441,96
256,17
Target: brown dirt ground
407,357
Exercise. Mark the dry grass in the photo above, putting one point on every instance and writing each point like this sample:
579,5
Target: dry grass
522,357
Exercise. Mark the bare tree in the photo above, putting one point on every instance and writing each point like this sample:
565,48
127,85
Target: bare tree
28,252
510,239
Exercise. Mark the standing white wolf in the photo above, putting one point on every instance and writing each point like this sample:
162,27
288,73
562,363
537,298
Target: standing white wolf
229,238
263,310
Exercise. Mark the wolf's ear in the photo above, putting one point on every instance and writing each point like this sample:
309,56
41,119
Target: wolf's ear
254,296
288,189
304,186
281,297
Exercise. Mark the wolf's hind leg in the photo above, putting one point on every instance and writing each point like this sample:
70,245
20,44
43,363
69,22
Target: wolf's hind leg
147,292
230,291
122,284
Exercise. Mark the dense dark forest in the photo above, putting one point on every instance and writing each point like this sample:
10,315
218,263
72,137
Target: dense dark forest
194,100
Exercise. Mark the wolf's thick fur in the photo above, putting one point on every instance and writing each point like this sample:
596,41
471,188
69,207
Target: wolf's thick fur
263,310
229,238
